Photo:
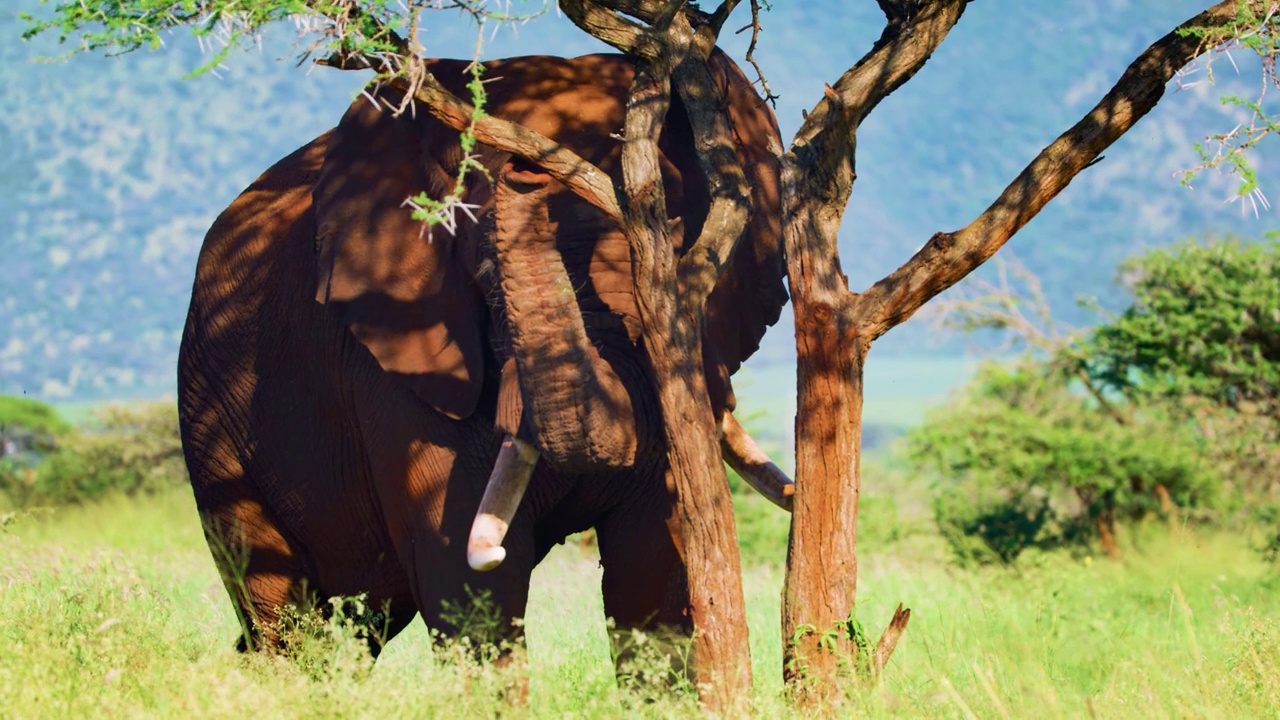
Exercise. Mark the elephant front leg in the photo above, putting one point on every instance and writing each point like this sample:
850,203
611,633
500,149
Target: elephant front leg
645,593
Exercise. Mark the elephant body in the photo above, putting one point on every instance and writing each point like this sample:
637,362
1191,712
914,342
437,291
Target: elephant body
345,381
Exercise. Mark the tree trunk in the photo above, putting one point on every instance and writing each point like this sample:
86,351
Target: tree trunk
721,650
822,565
673,338
1106,524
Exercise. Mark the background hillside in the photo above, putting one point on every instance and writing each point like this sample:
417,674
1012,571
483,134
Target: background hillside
112,168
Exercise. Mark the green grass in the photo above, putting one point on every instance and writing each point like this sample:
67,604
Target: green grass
115,610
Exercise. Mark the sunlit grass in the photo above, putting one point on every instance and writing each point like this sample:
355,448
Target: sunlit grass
115,610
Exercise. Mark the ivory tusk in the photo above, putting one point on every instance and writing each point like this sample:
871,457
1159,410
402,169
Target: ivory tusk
502,496
748,460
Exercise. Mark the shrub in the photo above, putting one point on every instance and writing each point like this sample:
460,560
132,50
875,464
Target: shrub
1173,404
27,428
1202,340
1204,324
126,449
1029,462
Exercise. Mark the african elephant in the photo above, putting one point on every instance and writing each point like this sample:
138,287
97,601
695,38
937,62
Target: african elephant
348,385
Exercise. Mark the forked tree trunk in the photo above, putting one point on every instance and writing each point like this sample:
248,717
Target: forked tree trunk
673,339
822,565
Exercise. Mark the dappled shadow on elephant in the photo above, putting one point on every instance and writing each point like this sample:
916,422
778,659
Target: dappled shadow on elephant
347,384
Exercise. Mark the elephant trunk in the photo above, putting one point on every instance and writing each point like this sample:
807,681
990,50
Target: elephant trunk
580,411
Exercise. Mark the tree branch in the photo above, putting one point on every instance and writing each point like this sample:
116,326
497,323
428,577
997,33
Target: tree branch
896,11
755,28
670,39
583,178
721,14
948,257
606,25
903,48
707,108
818,171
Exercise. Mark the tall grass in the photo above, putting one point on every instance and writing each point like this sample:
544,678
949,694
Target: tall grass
115,610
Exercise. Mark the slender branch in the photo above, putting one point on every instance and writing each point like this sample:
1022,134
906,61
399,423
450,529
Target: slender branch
751,53
999,307
948,257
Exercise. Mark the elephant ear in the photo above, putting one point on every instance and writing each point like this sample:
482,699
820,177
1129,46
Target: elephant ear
406,295
751,291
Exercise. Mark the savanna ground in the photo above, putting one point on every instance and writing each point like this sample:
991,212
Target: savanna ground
114,610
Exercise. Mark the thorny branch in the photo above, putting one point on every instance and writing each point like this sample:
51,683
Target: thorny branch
999,306
1255,30
406,71
751,52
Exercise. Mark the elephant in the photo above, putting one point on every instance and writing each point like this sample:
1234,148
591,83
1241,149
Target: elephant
352,387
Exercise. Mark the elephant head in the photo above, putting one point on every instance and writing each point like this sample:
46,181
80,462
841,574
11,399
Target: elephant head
522,297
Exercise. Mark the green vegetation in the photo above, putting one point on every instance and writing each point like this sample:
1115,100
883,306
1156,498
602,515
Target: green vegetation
1204,328
19,414
115,610
112,606
27,428
1038,465
128,450
1171,409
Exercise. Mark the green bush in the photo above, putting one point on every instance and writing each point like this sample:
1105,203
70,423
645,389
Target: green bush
1202,340
128,450
1204,325
1028,461
28,426
1175,404
983,525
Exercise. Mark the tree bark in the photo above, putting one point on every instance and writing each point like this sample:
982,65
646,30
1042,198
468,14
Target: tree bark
704,509
822,564
673,340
